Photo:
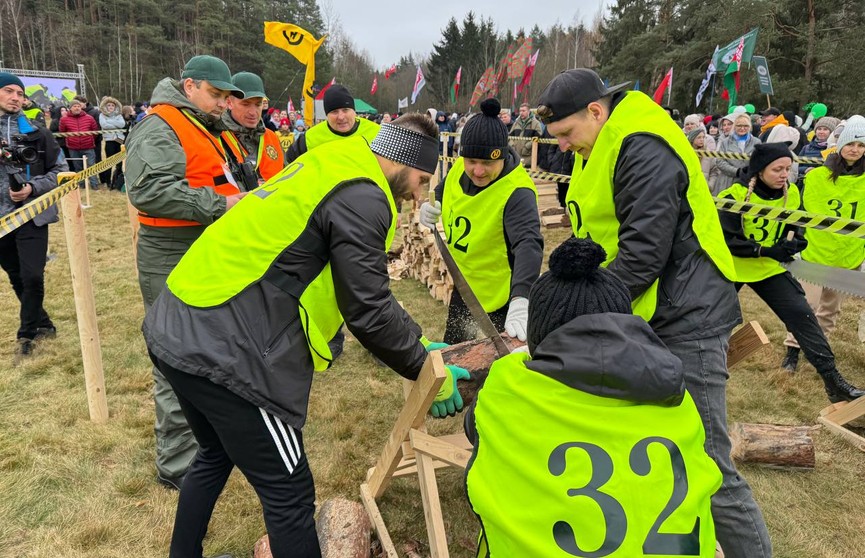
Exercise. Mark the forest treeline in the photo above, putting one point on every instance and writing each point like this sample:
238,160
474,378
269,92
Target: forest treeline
126,46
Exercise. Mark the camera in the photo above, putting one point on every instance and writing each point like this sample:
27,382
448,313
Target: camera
18,154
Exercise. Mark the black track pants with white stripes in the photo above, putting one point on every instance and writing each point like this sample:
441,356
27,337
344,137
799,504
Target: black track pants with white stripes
233,432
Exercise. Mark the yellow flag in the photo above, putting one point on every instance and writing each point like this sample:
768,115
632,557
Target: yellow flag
303,46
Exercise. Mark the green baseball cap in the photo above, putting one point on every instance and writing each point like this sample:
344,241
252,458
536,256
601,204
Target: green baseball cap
250,84
211,69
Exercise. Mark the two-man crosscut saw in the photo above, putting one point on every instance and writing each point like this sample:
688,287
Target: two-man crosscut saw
849,281
478,313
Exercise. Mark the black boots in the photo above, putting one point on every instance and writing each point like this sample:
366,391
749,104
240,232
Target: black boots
791,360
837,388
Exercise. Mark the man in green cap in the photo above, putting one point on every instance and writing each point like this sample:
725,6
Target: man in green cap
181,179
246,136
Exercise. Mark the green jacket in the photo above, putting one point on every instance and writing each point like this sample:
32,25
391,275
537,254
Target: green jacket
157,185
249,138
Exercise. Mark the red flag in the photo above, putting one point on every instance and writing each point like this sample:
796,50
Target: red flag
290,104
530,69
731,76
501,73
666,83
517,64
390,71
455,86
482,86
374,85
325,88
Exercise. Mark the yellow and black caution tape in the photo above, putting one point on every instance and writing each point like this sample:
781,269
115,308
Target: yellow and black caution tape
838,225
827,223
90,133
22,215
745,157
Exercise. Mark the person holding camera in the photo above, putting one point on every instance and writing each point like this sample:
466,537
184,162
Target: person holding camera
180,178
30,160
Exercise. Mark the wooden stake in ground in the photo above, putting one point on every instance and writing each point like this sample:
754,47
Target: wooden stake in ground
85,307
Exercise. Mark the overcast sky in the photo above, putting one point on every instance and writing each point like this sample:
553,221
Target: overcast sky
388,29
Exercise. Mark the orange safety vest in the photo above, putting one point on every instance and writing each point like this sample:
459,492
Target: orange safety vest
270,159
205,160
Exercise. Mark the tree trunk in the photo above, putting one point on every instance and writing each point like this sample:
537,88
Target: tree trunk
811,43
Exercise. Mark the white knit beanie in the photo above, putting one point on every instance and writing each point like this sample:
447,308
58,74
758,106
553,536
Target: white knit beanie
854,130
781,133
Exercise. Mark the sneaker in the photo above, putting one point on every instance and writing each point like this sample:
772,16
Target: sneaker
49,332
791,360
172,483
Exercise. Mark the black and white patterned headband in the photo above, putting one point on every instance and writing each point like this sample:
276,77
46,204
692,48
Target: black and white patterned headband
406,147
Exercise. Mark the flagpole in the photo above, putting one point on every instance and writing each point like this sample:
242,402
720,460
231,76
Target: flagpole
712,94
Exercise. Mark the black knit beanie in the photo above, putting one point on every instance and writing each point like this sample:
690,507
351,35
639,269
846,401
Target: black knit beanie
337,97
574,285
484,136
765,154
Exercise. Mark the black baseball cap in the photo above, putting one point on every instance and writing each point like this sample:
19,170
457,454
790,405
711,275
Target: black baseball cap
771,111
571,91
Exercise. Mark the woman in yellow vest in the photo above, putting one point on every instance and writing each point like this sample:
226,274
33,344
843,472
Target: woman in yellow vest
837,189
491,226
613,462
759,246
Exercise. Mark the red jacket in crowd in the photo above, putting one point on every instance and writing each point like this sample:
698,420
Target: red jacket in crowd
82,122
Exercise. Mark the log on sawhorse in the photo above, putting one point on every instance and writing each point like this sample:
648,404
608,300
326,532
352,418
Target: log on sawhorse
835,416
409,450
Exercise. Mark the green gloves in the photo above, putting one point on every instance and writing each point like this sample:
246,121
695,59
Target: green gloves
448,400
430,346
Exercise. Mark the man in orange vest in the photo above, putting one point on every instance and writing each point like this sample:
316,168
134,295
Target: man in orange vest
247,137
180,178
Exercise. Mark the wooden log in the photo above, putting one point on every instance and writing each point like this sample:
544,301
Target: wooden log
476,356
774,446
344,531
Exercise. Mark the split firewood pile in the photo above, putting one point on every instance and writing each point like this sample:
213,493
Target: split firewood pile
422,260
553,216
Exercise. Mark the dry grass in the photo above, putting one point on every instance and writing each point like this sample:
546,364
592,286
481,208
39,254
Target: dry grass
73,489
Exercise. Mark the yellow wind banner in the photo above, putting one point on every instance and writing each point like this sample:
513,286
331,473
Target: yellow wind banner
303,46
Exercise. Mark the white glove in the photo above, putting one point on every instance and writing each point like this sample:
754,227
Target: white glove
430,214
518,317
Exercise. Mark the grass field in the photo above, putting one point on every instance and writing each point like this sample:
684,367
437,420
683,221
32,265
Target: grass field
72,489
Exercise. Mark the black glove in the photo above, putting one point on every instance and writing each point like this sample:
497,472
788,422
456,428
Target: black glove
779,251
801,243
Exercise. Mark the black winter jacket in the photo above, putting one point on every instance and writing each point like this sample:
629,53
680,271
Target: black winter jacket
254,344
657,240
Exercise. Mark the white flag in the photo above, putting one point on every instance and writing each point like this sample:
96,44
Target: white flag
402,103
419,82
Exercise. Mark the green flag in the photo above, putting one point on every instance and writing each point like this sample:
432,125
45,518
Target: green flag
722,58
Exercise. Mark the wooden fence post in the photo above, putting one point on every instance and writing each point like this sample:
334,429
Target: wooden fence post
85,307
